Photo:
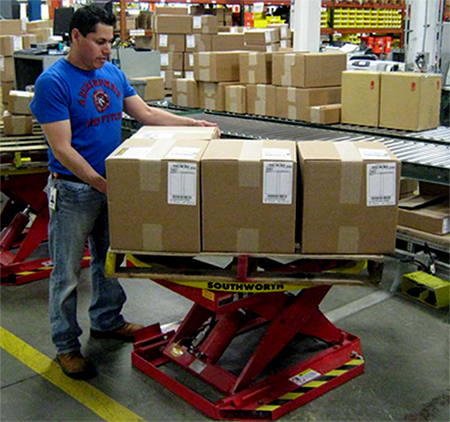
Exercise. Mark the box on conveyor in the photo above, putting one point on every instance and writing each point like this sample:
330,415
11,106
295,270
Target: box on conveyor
236,99
261,100
185,93
216,66
348,198
211,95
255,68
19,102
249,196
17,125
154,193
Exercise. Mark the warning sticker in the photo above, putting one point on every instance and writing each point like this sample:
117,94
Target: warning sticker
381,184
278,182
305,377
182,184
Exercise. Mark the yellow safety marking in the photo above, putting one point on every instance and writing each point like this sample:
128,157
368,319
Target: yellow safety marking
209,295
351,268
90,397
45,268
110,264
26,273
356,362
314,384
268,408
336,372
291,396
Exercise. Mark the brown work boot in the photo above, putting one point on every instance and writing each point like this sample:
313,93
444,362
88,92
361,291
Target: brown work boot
125,332
76,366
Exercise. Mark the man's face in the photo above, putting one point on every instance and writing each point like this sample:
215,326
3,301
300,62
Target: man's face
94,49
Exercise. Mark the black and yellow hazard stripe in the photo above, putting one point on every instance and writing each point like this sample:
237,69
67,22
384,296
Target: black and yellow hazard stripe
311,385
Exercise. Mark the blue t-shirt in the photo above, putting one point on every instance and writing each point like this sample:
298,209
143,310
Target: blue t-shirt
93,102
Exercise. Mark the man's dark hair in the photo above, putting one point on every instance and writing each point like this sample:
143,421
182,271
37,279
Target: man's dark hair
86,18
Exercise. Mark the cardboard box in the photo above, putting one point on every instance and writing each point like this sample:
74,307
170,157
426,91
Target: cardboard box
185,93
43,34
431,219
268,48
144,20
410,101
144,42
9,44
162,176
284,30
295,103
261,100
248,196
236,99
177,132
189,74
216,66
7,69
228,42
10,27
169,76
285,44
426,288
211,95
172,60
308,69
360,97
7,87
255,68
171,10
325,114
27,40
262,36
19,102
349,197
172,24
188,60
199,42
153,89
207,24
39,24
17,125
169,42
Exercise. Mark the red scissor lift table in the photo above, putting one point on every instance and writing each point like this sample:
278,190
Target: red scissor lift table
217,318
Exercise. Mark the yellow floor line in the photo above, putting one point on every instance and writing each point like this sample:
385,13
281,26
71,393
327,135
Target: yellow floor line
90,397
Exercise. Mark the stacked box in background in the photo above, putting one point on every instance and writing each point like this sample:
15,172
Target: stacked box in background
18,117
348,197
263,39
236,99
149,88
42,29
248,196
10,31
185,93
285,34
153,190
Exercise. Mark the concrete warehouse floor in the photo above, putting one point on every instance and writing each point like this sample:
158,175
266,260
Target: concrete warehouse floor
405,344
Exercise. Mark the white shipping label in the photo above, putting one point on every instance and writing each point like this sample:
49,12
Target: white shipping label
284,32
2,63
276,153
183,152
164,59
269,48
445,226
190,41
373,154
17,43
137,153
163,74
191,60
137,32
197,22
278,182
182,184
381,184
268,36
189,74
163,40
305,377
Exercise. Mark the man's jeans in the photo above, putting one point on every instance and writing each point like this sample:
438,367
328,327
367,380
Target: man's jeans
80,214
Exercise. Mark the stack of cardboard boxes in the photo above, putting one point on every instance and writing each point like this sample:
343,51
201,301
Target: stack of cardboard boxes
176,189
18,117
41,29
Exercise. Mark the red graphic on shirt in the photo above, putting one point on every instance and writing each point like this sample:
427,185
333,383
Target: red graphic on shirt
101,100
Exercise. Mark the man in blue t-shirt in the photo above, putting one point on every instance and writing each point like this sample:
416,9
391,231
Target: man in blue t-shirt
79,103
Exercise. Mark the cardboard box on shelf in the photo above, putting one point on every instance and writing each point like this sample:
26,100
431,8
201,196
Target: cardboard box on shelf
39,24
216,66
144,20
143,42
199,42
295,103
172,24
225,41
169,42
42,34
261,100
7,87
17,125
211,95
430,219
308,69
261,36
169,76
27,40
255,68
349,197
6,69
410,101
249,196
9,44
162,178
325,114
236,99
185,93
360,98
171,10
10,27
172,60
19,102
153,87
206,24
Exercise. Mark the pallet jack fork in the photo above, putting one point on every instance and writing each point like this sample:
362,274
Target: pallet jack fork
217,319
